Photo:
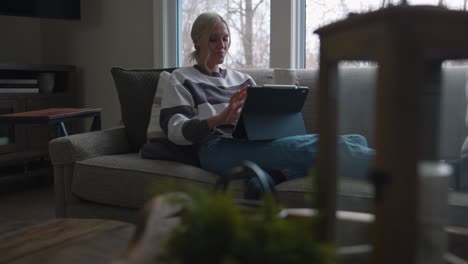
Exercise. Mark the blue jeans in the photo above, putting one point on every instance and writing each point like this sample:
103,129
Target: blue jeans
294,154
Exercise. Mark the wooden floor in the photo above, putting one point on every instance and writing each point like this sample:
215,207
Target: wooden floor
27,214
67,240
24,202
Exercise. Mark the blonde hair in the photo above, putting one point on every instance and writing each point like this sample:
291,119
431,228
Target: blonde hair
202,25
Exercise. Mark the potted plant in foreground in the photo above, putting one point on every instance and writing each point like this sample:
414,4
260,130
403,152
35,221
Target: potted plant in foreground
214,229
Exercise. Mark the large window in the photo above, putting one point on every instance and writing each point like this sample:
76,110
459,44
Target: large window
323,12
249,21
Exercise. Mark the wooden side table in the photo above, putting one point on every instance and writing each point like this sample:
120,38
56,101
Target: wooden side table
409,43
54,116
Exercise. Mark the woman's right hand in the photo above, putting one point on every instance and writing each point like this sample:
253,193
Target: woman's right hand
231,114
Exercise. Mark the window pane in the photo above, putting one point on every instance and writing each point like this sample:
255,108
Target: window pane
249,21
323,12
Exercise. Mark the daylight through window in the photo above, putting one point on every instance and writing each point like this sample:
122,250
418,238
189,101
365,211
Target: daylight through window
249,21
323,12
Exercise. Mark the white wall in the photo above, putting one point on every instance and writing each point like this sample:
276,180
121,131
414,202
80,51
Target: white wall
110,33
20,40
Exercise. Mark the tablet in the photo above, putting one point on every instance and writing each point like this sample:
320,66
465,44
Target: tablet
271,112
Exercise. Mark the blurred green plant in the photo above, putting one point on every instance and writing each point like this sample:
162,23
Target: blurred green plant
215,230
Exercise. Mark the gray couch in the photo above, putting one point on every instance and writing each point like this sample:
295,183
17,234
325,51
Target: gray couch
98,174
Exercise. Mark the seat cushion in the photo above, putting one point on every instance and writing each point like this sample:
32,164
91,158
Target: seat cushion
128,181
354,195
458,209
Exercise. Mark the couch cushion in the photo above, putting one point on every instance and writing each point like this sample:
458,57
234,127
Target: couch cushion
354,195
458,208
309,78
154,129
136,90
285,76
260,76
128,181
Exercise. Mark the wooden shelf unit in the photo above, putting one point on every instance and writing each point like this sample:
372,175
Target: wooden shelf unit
34,138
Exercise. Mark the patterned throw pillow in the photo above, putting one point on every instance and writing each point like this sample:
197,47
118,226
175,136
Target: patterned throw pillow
136,90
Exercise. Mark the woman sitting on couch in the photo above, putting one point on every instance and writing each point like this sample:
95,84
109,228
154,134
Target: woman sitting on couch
203,102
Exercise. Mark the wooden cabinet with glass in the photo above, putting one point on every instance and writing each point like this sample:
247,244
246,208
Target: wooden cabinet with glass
409,44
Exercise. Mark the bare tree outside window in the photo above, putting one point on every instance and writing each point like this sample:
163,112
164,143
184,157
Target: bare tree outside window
250,25
249,21
322,12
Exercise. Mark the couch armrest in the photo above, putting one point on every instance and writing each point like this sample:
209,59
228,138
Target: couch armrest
67,150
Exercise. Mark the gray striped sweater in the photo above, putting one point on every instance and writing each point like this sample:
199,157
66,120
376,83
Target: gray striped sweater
192,96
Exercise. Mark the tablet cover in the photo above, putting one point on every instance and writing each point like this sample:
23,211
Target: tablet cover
272,112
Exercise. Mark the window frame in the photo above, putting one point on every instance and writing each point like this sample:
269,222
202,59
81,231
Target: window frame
288,18
166,33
